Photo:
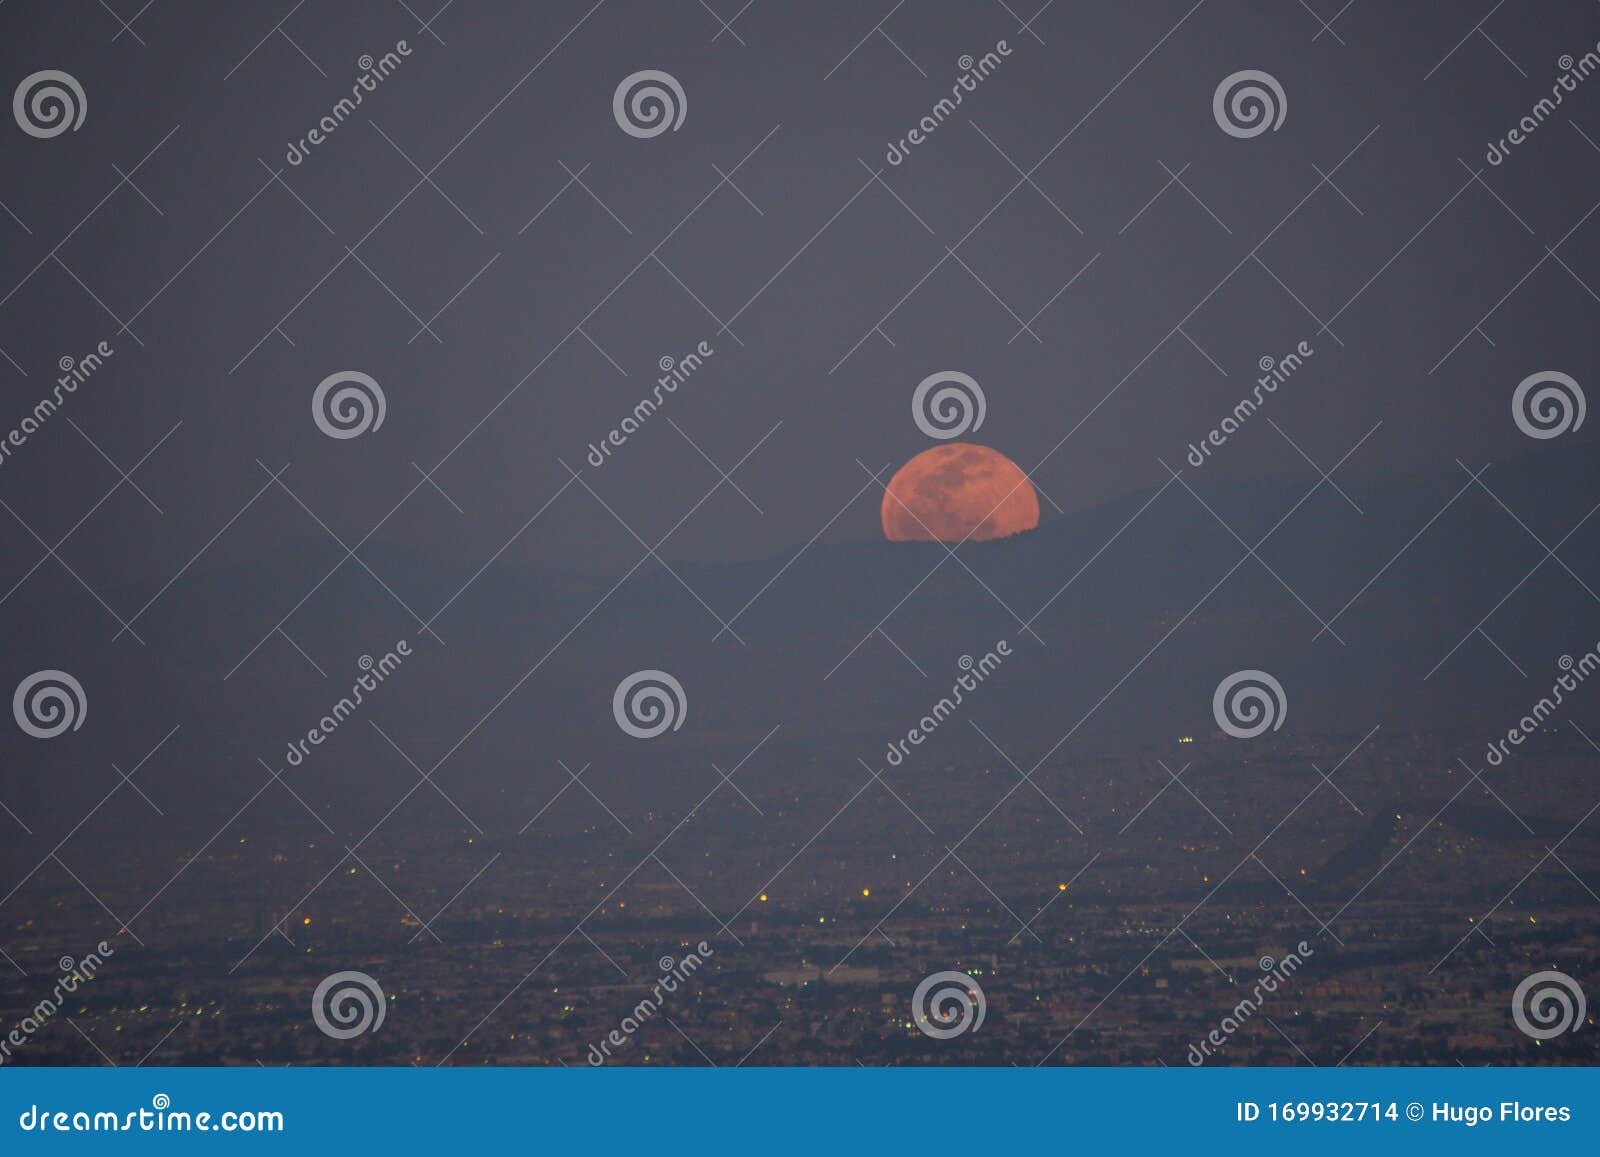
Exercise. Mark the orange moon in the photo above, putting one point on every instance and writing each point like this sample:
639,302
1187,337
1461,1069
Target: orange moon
958,491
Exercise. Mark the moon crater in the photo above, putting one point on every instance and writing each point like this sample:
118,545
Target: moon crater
958,491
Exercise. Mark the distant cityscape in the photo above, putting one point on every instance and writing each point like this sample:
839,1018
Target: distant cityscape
1423,894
